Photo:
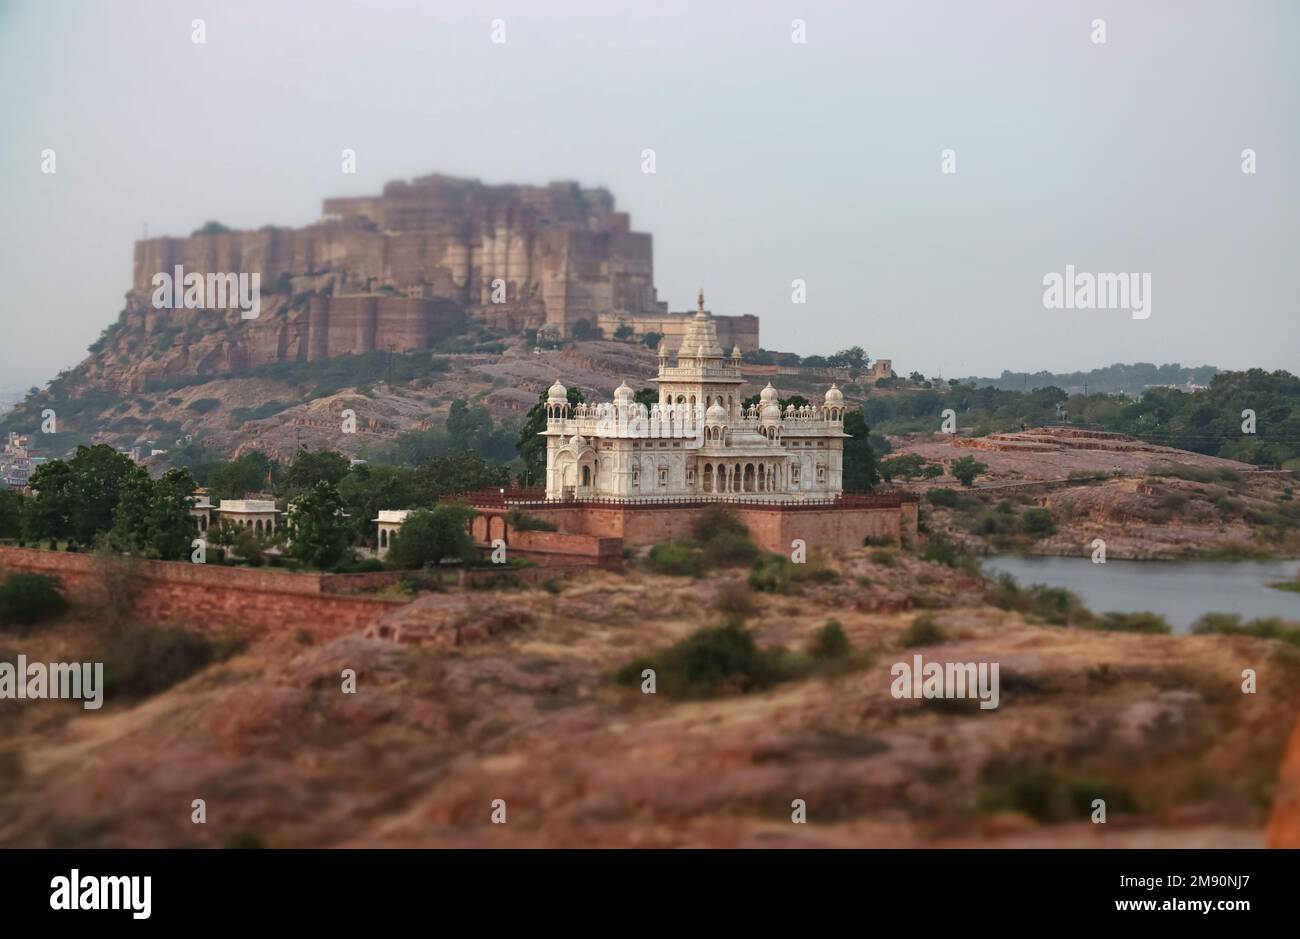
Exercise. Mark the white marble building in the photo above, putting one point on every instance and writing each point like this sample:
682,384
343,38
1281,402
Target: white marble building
697,441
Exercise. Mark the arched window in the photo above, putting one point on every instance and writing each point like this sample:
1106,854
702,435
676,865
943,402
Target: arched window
586,475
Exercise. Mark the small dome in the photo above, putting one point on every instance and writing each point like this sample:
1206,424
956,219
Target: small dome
623,394
557,392
771,413
834,396
735,352
577,441
767,395
716,414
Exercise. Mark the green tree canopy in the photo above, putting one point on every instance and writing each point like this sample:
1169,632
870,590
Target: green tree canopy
860,471
429,536
153,517
318,532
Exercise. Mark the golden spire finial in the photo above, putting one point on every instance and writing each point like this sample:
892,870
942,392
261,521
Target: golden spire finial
701,299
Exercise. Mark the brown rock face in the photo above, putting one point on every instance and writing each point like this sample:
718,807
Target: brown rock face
560,252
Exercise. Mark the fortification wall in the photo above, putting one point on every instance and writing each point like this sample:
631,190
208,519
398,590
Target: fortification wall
246,602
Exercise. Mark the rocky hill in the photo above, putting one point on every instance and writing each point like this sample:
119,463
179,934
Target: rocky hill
529,711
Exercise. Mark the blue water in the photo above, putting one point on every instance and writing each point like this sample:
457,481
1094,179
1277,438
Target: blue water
1181,591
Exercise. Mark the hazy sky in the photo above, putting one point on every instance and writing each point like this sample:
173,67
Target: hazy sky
775,160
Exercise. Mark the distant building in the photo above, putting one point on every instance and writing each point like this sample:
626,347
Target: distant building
15,462
390,520
260,515
201,508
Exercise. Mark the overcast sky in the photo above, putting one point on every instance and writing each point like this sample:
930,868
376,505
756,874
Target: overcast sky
775,160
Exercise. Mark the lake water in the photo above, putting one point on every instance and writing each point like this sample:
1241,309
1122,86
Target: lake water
1178,590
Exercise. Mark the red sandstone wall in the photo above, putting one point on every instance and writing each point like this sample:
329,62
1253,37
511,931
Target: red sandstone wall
250,603
831,529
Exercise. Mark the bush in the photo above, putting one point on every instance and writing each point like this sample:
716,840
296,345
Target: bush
965,469
710,661
145,661
948,498
830,642
730,549
1230,624
1038,523
924,631
1045,796
734,598
772,573
522,521
723,538
429,535
1151,623
28,599
676,559
203,405
943,550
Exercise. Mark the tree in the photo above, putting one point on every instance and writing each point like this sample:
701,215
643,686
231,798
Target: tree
459,472
98,475
245,474
368,488
907,466
312,466
318,533
468,424
11,514
153,518
852,358
583,329
48,514
647,396
76,499
966,469
651,340
531,445
430,535
623,333
860,471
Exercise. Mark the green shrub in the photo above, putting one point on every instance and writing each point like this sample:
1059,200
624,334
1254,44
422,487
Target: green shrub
885,557
924,631
723,538
144,660
710,661
28,599
830,642
1230,624
676,559
772,573
1151,623
1038,523
730,549
522,521
1044,795
948,498
943,550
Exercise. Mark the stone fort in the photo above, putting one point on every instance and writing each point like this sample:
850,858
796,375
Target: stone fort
402,265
